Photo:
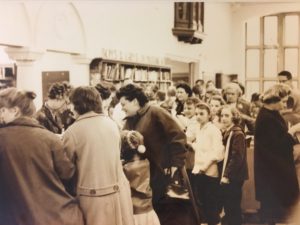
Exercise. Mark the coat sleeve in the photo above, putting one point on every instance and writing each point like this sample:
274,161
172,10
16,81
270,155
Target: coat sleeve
62,164
236,155
175,136
69,151
270,133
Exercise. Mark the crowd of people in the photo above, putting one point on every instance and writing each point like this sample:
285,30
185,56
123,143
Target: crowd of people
99,155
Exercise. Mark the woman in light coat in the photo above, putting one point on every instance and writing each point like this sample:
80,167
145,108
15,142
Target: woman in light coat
93,144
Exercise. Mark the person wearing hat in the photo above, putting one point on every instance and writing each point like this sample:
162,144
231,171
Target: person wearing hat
137,170
275,175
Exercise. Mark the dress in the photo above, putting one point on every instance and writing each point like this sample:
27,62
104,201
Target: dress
274,169
31,161
138,175
93,143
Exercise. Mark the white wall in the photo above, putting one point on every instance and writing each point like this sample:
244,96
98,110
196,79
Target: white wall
86,27
217,46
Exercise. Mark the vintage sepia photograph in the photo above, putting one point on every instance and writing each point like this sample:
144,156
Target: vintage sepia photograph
149,112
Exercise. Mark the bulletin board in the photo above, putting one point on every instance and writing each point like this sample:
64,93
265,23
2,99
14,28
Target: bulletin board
50,77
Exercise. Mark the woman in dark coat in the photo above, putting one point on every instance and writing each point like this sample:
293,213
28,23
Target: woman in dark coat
32,161
274,169
163,139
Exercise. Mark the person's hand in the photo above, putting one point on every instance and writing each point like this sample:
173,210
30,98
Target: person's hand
224,180
201,172
295,128
173,169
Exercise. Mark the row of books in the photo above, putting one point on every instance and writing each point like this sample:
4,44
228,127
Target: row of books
117,72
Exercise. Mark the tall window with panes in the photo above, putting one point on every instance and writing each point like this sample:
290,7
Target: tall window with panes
272,44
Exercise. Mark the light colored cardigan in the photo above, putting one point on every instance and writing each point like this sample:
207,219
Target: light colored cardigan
209,150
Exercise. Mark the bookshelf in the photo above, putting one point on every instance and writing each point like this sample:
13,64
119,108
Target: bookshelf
142,73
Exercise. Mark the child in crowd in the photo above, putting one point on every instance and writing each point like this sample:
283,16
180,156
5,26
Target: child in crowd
208,151
215,103
235,169
190,124
137,170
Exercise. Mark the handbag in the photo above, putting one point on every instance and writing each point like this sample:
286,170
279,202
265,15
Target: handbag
176,187
179,188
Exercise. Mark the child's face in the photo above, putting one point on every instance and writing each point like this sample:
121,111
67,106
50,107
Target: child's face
189,110
202,116
226,117
215,105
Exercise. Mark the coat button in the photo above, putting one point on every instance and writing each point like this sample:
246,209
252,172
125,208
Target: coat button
92,192
116,188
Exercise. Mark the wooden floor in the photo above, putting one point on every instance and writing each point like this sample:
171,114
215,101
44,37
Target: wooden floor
249,205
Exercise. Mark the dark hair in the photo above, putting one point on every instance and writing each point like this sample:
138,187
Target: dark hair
285,73
86,99
197,90
57,90
161,95
199,81
104,90
255,97
186,88
131,92
12,97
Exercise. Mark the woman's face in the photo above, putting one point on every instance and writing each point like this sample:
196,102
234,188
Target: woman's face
226,117
202,116
129,107
181,95
8,114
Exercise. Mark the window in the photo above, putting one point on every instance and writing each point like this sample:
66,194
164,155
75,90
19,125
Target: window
272,44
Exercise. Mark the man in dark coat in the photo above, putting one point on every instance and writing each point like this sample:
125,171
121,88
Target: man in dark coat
276,181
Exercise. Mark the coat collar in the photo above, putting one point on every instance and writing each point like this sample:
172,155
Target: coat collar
140,112
24,121
143,110
88,115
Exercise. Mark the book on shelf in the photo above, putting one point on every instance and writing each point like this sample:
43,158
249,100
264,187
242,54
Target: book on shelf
153,75
122,72
129,73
